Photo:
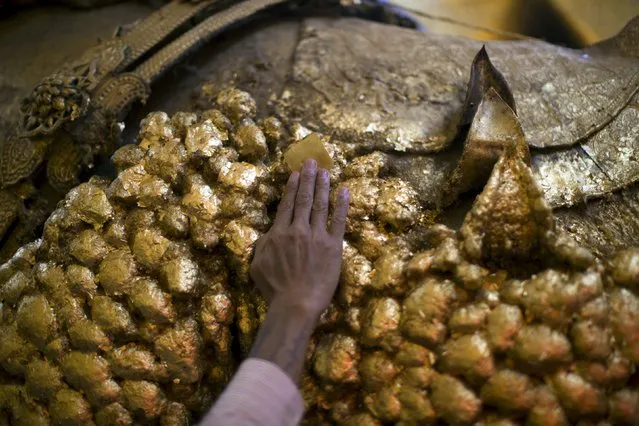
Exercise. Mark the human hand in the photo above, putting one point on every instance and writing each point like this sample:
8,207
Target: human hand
297,262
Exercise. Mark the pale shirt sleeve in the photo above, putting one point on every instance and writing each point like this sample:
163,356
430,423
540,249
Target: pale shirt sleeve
260,394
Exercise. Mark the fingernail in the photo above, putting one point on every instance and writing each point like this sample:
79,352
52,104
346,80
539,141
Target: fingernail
310,164
323,174
345,193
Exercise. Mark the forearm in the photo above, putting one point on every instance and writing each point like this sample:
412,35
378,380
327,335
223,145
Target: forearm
263,392
283,337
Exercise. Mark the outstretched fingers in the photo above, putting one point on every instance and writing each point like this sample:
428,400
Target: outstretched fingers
305,193
319,216
338,224
285,210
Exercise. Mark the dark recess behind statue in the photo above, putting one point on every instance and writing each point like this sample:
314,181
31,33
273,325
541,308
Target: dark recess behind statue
34,43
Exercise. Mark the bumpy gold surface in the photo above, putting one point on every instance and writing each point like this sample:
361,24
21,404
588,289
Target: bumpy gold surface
135,306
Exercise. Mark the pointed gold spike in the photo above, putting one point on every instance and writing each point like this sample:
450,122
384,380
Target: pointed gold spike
484,76
494,128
